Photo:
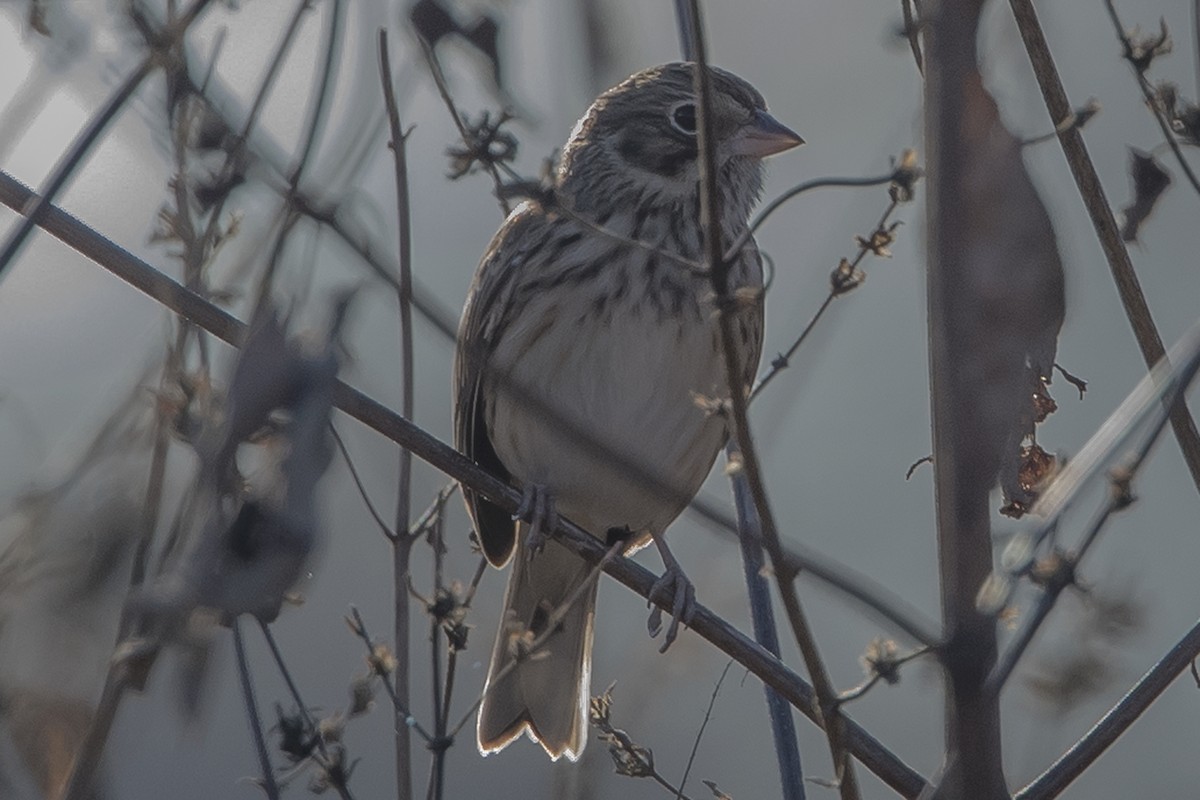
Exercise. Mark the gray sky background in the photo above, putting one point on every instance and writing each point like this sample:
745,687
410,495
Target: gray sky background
838,430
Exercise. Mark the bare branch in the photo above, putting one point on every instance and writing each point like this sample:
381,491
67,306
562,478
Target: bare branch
1112,725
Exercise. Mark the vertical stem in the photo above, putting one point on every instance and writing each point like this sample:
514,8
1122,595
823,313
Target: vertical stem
962,476
269,786
831,719
762,615
402,543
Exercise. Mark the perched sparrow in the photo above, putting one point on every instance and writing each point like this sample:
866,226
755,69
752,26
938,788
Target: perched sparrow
588,335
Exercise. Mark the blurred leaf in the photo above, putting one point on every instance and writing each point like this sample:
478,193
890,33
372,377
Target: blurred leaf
434,22
1150,180
1011,302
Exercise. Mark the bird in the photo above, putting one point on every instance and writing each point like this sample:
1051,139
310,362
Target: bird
587,352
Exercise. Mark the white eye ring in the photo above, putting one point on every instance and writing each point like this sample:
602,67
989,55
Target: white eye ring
685,123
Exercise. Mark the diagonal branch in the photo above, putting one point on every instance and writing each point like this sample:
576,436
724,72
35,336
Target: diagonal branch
1132,298
1112,725
860,743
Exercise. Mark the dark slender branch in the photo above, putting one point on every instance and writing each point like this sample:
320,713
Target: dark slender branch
362,490
1092,193
235,155
797,190
269,786
325,83
912,31
87,759
401,545
686,24
1112,725
718,268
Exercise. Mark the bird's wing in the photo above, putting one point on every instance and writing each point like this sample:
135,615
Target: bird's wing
482,320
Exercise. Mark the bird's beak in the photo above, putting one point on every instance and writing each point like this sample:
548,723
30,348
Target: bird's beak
764,136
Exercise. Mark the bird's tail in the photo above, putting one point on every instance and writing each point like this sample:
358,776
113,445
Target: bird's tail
545,692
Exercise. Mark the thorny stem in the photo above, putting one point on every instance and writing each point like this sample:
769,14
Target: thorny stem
1092,193
401,545
719,275
780,362
403,715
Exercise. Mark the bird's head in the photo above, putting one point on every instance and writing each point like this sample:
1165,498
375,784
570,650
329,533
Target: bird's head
639,137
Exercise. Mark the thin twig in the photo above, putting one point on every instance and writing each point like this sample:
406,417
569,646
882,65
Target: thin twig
269,786
362,490
836,289
1092,193
794,192
719,275
762,617
401,545
404,713
712,701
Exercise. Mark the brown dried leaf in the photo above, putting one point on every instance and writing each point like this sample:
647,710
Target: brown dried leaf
1009,303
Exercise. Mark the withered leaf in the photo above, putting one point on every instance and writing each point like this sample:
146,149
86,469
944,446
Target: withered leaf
1150,180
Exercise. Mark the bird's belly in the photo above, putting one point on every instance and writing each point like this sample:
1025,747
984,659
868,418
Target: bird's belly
605,413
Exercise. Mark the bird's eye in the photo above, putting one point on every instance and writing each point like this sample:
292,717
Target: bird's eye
683,118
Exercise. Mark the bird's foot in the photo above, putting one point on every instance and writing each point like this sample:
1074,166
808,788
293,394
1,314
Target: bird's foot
537,510
674,584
